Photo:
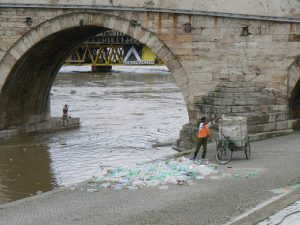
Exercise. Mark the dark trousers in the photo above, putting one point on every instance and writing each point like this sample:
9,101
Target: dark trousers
201,142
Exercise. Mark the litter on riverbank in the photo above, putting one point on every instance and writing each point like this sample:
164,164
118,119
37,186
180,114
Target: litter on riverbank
291,187
179,171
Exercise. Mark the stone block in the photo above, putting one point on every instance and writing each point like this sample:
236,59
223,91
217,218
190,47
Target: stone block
181,38
231,38
121,25
180,77
143,36
200,76
280,38
183,51
155,44
210,37
174,63
279,28
100,19
263,39
55,26
271,134
163,52
236,77
240,45
5,67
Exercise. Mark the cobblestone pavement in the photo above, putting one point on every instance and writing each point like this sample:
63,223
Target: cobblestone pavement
240,185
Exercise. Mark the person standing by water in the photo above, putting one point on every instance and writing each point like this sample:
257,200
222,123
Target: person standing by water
202,137
65,111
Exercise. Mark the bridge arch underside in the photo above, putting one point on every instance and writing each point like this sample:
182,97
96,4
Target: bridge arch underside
293,87
295,102
33,63
25,94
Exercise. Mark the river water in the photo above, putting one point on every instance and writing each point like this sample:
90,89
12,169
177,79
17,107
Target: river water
128,116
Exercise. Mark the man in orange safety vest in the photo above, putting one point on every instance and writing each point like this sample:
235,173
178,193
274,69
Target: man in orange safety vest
202,137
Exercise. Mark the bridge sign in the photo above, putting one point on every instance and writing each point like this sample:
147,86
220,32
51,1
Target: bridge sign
133,53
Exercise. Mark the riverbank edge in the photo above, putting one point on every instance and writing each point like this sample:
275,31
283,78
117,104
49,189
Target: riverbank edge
48,126
85,182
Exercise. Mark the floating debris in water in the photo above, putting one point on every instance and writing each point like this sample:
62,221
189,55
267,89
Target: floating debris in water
180,171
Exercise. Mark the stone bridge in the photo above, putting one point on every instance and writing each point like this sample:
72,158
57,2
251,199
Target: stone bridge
226,57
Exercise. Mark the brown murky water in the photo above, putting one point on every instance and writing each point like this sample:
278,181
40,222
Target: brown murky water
123,116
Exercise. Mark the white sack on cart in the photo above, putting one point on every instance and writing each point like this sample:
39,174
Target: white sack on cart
234,127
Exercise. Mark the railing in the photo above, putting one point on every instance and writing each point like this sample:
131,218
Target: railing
112,37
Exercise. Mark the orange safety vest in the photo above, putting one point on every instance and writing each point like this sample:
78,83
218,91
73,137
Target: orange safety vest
204,132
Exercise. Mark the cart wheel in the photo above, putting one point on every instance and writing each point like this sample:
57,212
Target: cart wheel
248,150
223,155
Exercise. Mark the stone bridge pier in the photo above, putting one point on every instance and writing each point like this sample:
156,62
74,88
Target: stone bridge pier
224,62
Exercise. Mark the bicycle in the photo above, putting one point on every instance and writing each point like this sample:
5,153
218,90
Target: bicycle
226,146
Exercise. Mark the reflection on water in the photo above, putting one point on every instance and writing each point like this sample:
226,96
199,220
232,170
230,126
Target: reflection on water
122,117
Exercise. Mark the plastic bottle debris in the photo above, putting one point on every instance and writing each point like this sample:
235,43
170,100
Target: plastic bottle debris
92,190
118,188
278,191
179,171
294,186
287,189
199,177
98,179
253,173
105,185
214,166
237,176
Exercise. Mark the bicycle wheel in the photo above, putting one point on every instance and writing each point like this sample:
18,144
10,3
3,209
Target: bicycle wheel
223,155
248,150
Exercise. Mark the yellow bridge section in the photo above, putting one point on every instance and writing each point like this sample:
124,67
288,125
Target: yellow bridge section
112,55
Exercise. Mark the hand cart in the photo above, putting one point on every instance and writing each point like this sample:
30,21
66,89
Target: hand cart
226,146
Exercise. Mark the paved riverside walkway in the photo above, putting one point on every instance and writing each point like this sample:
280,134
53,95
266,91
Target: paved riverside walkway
280,209
215,200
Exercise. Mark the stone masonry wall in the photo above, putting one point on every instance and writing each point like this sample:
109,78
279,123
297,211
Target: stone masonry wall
210,49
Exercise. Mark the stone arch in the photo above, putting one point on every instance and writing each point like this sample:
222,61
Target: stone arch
28,69
292,83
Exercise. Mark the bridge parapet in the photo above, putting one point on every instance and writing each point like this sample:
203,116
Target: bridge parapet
262,8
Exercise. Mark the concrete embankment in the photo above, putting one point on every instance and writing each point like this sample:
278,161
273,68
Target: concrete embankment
53,124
